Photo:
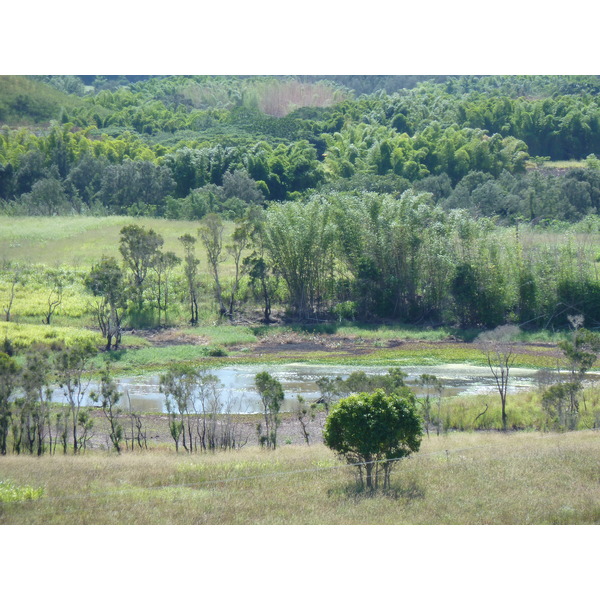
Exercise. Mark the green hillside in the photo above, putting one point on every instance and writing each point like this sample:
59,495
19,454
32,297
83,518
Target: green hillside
26,101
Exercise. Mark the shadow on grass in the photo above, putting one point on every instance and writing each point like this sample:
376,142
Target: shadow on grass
408,489
115,355
568,515
465,335
328,328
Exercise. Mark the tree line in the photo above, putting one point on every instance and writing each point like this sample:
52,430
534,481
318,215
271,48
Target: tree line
373,255
340,256
170,146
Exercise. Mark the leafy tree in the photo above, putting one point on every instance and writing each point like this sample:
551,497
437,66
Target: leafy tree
163,267
106,282
186,167
240,240
257,265
36,376
32,168
299,239
190,269
47,197
18,277
69,84
211,234
56,280
373,431
240,185
135,187
271,397
557,402
86,177
331,390
140,249
397,251
178,385
561,401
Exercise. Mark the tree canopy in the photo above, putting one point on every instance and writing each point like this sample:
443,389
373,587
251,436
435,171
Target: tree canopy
373,431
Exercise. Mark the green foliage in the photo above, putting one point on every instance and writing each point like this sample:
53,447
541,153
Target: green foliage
71,365
10,492
106,281
374,431
299,240
178,385
24,99
561,400
138,149
140,250
359,382
217,351
271,397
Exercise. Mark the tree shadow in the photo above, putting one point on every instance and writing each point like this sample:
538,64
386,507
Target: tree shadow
409,490
465,335
115,355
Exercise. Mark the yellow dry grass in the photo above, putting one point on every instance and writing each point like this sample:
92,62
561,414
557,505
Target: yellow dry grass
475,478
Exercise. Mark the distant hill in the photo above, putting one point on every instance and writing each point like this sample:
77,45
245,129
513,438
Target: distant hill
24,100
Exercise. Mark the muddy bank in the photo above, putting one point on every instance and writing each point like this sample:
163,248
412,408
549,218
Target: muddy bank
156,431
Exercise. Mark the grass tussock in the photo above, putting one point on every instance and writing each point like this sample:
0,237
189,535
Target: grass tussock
476,478
23,335
9,492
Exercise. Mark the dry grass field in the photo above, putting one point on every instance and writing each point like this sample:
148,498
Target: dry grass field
459,478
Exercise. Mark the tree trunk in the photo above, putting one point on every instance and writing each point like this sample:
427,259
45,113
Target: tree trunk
369,477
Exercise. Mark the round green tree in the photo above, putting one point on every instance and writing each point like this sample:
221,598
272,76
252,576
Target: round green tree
373,431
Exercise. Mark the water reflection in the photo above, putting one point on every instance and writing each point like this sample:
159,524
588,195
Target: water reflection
238,383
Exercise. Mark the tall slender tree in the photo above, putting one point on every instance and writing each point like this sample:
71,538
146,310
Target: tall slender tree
140,249
190,269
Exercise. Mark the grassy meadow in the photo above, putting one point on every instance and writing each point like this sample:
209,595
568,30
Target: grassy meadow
80,241
38,246
459,478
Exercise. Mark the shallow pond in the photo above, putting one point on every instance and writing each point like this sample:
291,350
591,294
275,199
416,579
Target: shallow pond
239,391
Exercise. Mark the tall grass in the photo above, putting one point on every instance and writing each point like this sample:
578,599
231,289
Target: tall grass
481,478
23,335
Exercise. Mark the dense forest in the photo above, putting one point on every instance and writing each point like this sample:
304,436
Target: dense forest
420,199
181,147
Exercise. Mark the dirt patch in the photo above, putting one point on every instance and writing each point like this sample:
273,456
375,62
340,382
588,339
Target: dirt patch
170,337
156,428
296,343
